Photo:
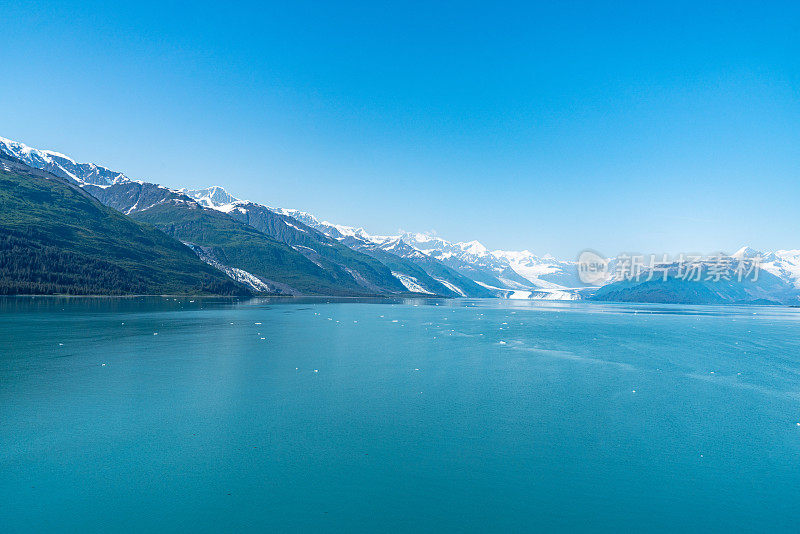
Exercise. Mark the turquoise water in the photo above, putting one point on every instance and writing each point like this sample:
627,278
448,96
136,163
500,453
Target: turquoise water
413,416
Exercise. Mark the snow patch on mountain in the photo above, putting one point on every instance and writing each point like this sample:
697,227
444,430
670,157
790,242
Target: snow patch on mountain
452,287
411,283
746,253
544,272
239,275
473,247
214,197
61,165
514,270
785,264
517,273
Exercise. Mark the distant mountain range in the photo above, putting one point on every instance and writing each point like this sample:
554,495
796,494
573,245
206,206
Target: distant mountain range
268,250
722,280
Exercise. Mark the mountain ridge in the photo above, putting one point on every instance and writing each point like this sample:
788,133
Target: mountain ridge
416,262
58,239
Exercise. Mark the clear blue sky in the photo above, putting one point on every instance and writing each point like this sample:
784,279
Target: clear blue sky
556,126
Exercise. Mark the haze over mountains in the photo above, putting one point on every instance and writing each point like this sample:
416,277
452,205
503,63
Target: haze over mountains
272,250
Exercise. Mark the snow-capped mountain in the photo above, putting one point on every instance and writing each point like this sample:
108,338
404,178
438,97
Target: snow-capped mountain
326,242
212,197
418,262
474,260
785,264
337,231
269,253
715,279
503,272
498,270
545,272
61,165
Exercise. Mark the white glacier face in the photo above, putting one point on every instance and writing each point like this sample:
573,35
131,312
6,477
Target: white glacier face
240,275
411,283
452,287
544,272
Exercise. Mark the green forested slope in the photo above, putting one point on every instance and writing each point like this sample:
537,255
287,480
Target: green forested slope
57,239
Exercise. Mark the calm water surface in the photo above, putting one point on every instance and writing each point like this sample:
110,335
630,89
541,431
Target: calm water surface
414,416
